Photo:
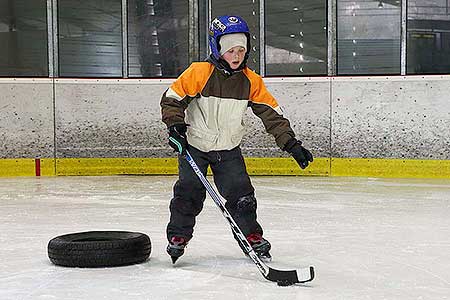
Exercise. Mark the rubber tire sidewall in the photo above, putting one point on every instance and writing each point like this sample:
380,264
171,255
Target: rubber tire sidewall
94,249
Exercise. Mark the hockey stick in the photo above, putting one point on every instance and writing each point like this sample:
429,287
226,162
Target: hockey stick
279,276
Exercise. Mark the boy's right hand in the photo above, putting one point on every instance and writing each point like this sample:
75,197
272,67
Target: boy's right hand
177,138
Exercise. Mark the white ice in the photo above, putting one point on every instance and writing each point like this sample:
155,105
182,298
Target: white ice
367,238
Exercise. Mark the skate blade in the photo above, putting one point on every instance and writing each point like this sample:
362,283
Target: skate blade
266,258
174,259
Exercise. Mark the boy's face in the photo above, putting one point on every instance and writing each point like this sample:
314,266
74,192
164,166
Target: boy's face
234,57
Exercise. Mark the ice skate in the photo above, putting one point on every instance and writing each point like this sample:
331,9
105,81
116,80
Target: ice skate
176,246
260,245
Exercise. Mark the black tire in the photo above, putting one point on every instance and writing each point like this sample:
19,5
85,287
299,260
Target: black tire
94,249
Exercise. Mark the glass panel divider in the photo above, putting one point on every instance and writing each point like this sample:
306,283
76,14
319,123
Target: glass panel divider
403,36
125,38
262,46
331,36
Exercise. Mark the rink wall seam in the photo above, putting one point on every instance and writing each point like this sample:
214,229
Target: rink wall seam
388,168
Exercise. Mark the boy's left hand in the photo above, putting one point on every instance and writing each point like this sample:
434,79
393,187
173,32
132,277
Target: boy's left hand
299,153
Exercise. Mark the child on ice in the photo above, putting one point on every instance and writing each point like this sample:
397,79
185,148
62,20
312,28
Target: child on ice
203,110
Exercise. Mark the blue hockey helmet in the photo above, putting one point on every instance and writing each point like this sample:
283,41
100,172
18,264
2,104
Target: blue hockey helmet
224,25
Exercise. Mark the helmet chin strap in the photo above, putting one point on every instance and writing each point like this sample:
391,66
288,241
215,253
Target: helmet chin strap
223,66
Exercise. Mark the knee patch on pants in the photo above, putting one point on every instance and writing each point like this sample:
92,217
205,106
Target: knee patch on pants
246,203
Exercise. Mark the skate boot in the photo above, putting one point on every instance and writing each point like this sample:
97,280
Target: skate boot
176,246
260,245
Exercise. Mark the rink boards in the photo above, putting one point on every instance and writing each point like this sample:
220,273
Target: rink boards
356,126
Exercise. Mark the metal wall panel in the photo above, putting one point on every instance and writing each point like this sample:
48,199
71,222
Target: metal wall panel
391,117
26,118
362,117
306,103
121,118
110,118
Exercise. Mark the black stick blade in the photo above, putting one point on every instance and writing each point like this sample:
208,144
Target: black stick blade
291,277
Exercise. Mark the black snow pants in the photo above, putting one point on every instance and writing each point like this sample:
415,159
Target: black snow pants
232,182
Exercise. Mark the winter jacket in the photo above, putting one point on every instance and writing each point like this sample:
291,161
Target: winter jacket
214,104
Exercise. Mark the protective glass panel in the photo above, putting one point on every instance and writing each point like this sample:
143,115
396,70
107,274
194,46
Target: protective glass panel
249,10
90,38
158,37
428,37
23,38
296,37
368,37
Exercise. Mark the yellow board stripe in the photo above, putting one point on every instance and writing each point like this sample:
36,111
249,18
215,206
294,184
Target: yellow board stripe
26,167
286,166
17,167
48,167
116,166
392,168
169,166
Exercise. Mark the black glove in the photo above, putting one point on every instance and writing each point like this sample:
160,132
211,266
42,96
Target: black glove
177,138
298,152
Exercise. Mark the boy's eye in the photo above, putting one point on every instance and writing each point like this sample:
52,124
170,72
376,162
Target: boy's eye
240,50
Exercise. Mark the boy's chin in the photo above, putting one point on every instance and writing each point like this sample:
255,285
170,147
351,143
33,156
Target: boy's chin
235,66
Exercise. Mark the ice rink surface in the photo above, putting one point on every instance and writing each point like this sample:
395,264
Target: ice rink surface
367,238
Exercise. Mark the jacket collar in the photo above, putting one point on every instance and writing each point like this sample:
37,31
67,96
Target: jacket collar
224,67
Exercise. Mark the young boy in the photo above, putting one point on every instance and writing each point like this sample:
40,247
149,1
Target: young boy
203,110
